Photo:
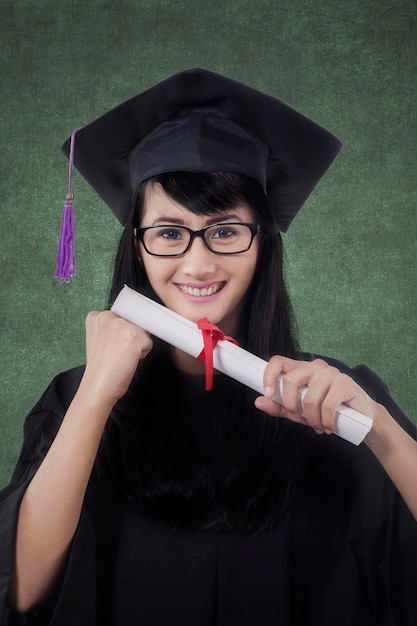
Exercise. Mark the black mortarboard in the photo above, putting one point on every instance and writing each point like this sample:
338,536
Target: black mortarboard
200,121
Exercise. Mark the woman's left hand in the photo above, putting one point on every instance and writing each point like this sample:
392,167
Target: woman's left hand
326,389
326,386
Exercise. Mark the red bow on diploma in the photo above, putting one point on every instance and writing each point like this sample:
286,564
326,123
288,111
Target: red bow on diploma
211,335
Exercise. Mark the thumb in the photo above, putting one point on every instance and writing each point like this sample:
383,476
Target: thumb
274,409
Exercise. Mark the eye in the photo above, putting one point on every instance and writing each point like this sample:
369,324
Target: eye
170,234
224,232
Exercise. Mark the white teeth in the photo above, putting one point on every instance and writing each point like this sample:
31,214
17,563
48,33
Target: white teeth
194,291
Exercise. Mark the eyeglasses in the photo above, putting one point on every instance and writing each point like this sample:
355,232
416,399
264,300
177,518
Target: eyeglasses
228,238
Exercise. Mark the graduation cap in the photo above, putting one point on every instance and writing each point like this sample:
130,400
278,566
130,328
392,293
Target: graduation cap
200,121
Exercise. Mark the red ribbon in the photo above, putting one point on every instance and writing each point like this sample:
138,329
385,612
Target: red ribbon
211,335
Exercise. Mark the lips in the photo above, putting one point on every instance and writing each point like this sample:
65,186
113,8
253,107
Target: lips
201,292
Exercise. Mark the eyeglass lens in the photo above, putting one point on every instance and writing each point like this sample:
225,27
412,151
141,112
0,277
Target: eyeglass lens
222,238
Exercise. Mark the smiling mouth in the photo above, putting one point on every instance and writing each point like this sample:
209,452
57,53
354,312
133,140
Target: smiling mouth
205,291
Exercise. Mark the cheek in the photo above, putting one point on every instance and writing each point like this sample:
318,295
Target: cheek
251,264
158,270
249,278
243,276
251,271
150,268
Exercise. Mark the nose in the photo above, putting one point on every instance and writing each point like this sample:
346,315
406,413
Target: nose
199,260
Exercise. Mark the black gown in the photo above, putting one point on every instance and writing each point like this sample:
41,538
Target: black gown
346,555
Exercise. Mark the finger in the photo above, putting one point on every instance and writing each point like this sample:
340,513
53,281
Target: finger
111,337
90,320
276,366
317,377
146,344
343,390
274,409
317,390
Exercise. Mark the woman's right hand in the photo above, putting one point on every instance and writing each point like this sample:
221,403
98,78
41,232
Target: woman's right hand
114,349
49,514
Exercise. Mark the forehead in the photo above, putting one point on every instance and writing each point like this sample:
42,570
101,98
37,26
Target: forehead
158,204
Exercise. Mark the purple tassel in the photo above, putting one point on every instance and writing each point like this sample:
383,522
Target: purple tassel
65,259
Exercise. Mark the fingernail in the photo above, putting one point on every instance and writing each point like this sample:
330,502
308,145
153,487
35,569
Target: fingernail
268,392
328,432
318,431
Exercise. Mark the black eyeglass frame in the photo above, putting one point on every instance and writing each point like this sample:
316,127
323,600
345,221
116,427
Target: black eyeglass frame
139,233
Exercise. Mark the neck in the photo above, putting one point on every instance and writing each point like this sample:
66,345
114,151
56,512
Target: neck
187,363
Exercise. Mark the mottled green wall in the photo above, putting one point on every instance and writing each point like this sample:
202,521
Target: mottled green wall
352,252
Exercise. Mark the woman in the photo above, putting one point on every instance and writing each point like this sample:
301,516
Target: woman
139,497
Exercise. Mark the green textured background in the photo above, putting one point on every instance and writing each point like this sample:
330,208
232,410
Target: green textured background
352,252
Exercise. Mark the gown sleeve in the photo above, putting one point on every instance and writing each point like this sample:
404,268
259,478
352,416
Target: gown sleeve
72,602
376,562
389,530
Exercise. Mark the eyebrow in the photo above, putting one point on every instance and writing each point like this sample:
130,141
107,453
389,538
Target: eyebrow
216,219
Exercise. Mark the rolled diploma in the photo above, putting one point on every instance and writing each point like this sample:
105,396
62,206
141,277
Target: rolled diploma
228,358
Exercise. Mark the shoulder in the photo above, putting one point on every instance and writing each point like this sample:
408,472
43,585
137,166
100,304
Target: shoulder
58,396
44,420
60,392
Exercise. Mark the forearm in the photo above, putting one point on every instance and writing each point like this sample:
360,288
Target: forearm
397,453
50,509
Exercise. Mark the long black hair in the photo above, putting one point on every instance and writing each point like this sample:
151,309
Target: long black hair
207,460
